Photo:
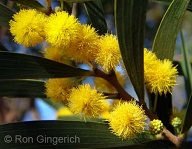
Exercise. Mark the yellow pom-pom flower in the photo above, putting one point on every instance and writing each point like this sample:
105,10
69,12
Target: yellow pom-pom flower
149,58
160,76
27,27
61,29
127,120
56,54
156,127
109,55
58,89
86,101
85,46
105,86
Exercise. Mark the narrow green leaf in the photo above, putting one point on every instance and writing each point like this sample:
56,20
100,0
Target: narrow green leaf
165,38
169,1
22,66
77,135
5,15
31,3
96,15
130,23
186,66
22,88
188,117
80,118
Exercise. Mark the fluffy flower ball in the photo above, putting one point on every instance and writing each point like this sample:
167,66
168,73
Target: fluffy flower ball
127,120
61,29
58,89
108,55
160,75
85,46
86,101
56,54
27,27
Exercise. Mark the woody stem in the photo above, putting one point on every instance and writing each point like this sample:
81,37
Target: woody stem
122,94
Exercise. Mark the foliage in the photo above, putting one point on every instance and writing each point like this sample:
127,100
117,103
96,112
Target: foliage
59,77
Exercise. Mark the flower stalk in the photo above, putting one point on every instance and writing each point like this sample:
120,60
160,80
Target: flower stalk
122,94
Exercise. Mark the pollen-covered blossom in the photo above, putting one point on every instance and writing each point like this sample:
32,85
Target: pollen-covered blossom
109,55
56,54
61,29
85,46
27,27
86,101
105,86
58,89
160,75
127,120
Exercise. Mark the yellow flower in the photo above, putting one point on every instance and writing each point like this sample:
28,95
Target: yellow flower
105,86
64,111
58,89
27,27
61,29
160,76
56,54
86,101
127,120
109,54
85,46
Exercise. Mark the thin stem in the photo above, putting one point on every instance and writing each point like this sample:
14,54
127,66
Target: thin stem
125,96
62,4
111,78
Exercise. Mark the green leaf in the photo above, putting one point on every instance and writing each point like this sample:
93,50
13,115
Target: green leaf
130,23
80,118
186,66
31,3
188,117
5,15
22,66
169,1
96,15
165,38
22,88
77,135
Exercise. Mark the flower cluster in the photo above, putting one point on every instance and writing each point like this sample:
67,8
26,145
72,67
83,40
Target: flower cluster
66,38
160,75
68,41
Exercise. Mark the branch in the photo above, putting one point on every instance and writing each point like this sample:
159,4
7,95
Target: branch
122,94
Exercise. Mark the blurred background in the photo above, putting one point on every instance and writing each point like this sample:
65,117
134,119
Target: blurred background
27,109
